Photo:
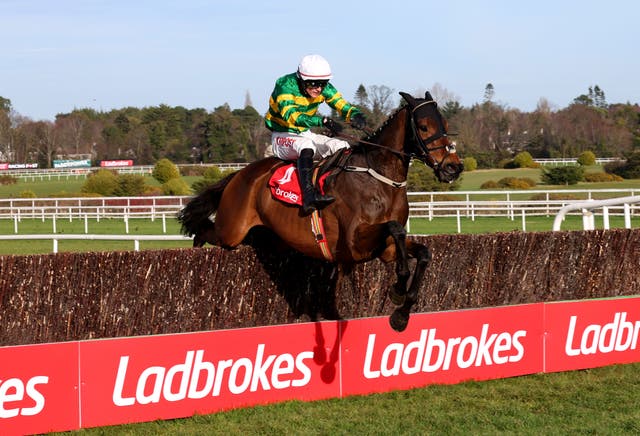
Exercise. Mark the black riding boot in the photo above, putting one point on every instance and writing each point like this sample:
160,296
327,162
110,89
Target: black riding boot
311,200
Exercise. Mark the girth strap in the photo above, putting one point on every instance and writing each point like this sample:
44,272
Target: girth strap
376,175
317,227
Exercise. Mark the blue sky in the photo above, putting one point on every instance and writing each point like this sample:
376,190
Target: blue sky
107,54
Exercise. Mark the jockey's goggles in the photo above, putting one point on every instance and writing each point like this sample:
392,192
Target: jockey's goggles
315,83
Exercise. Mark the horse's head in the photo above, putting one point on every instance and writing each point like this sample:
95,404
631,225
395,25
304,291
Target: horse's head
430,141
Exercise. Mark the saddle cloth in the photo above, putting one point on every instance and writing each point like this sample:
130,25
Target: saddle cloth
285,186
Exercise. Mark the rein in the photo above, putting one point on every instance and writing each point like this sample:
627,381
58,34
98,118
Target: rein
354,139
369,170
422,144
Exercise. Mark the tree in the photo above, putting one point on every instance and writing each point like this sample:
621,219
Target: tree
175,187
130,185
75,133
222,137
630,169
165,170
253,135
470,164
5,130
5,105
361,97
102,182
247,100
450,109
524,160
587,158
380,103
489,92
422,178
45,137
442,95
599,99
594,98
567,175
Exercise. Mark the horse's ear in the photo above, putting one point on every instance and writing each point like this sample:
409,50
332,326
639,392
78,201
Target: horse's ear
427,96
409,98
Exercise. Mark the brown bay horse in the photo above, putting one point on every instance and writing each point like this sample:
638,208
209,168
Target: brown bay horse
371,209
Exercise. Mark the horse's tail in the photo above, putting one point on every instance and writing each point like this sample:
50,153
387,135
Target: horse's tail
194,217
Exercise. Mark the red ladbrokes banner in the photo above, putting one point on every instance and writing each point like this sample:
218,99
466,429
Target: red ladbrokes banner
39,388
592,333
66,386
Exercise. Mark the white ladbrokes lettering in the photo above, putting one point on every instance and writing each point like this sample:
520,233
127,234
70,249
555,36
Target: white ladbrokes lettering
286,194
198,378
430,354
13,391
618,335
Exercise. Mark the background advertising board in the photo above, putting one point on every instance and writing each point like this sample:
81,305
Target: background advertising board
39,388
443,347
116,163
161,377
18,166
588,334
82,163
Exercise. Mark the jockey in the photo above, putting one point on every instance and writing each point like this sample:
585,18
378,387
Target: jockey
292,111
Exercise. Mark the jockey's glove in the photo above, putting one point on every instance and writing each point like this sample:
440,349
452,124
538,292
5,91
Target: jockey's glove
334,126
358,121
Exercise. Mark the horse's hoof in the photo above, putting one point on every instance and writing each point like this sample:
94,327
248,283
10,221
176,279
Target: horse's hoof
396,298
399,320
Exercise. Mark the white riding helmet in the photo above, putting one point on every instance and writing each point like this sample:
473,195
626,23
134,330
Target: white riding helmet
314,67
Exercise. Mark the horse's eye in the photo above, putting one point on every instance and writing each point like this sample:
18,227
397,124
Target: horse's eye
424,129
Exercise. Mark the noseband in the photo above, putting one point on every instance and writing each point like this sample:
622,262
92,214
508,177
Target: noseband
423,144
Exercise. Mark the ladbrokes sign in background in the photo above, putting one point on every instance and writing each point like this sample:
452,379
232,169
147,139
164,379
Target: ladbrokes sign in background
71,385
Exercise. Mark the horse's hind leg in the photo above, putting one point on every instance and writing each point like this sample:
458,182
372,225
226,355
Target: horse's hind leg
400,317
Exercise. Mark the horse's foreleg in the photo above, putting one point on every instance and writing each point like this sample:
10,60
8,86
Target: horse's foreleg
204,235
400,316
399,236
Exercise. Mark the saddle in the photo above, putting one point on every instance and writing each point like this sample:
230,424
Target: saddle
284,184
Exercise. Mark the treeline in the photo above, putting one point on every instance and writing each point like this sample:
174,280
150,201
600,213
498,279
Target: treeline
144,135
494,133
489,131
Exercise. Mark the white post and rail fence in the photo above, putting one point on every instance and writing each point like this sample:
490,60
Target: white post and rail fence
427,205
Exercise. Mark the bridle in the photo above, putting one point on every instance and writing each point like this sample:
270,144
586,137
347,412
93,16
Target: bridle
423,144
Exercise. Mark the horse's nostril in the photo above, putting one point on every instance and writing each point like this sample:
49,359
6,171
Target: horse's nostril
453,168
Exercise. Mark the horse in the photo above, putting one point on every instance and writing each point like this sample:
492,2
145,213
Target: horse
368,217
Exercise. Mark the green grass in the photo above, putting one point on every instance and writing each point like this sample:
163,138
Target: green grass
422,226
472,181
598,401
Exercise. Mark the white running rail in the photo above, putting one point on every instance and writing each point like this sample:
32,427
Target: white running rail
588,219
135,238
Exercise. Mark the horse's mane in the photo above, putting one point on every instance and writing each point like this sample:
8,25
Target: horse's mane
374,134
